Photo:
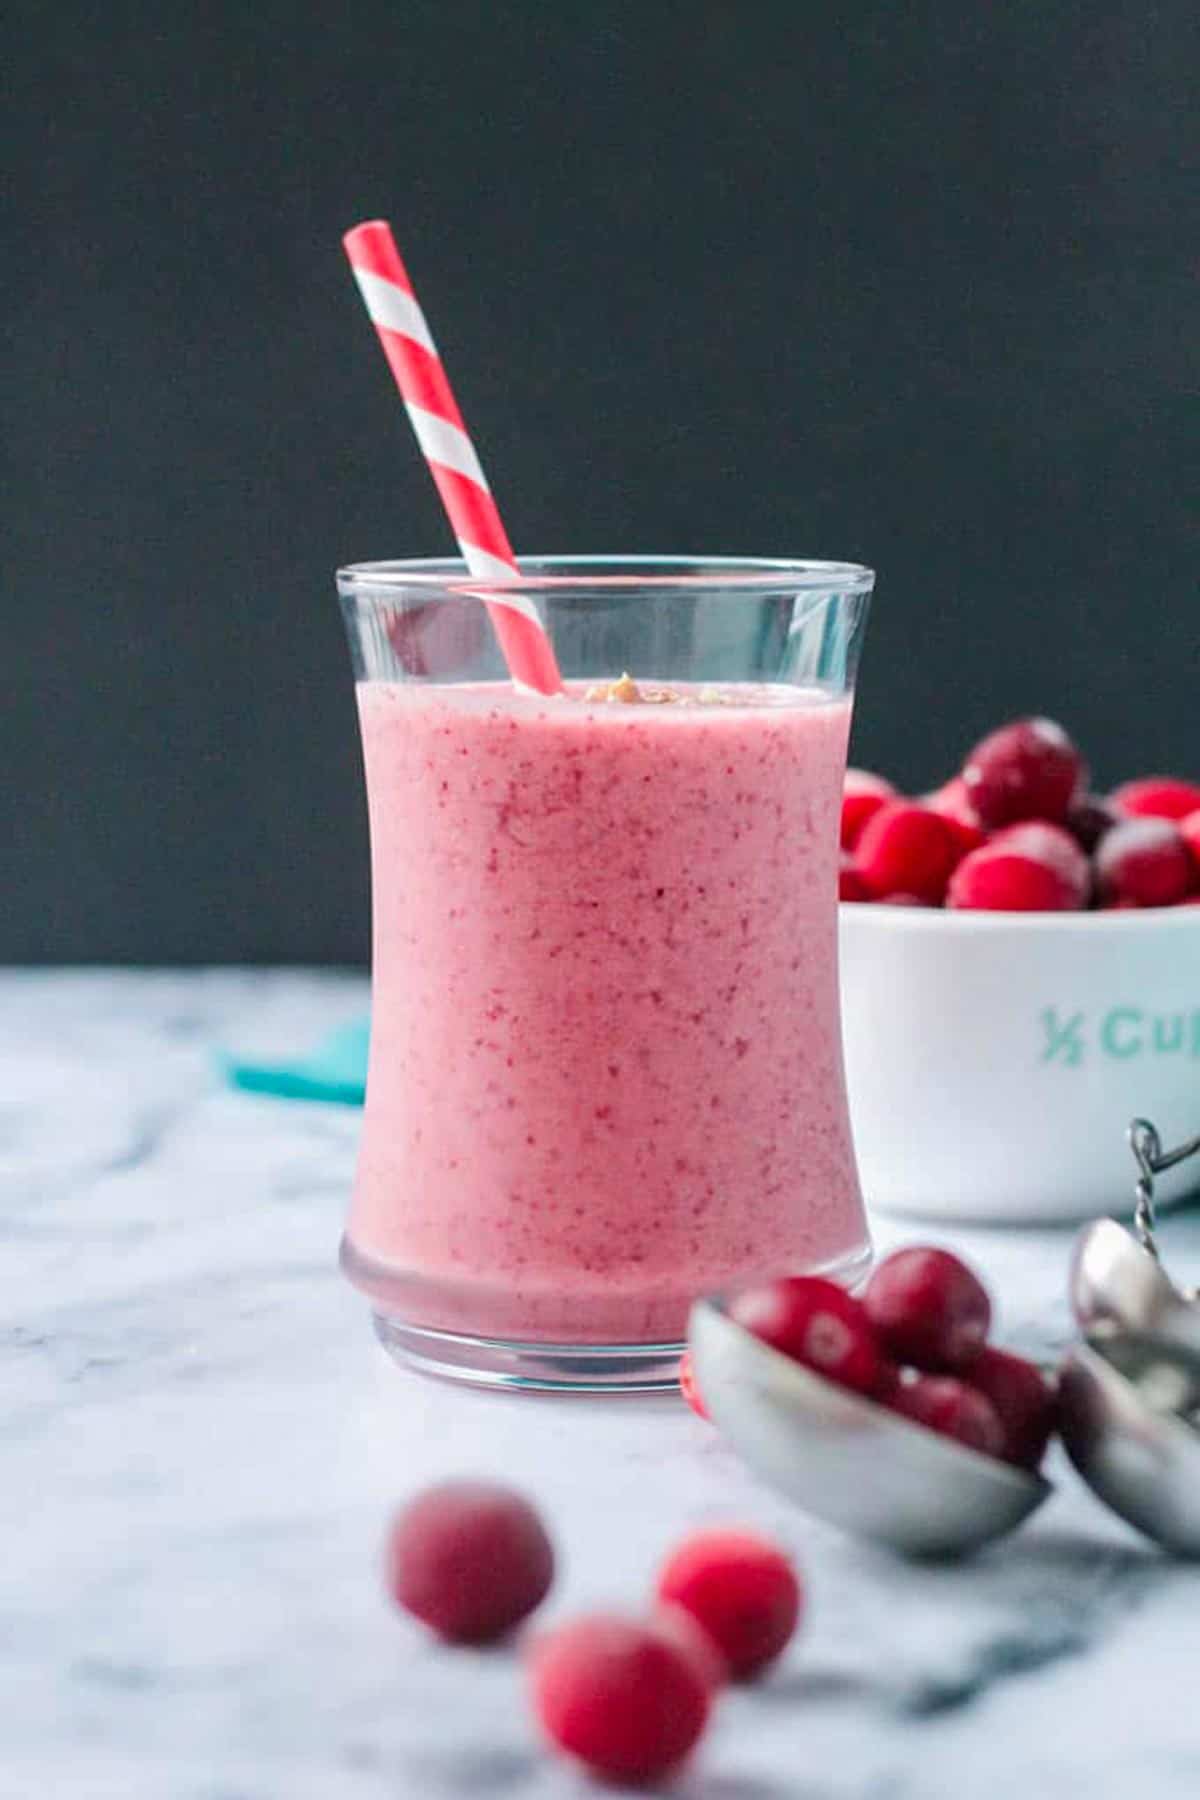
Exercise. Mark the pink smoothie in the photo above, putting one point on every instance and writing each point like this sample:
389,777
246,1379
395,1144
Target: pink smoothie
606,1069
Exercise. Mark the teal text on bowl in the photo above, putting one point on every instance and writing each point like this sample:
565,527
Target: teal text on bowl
1121,1034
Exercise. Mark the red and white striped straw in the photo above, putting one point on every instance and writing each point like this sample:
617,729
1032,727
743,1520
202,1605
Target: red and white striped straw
409,347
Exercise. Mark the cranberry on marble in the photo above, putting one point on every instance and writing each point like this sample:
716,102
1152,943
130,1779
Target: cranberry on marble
470,1559
626,1697
741,1588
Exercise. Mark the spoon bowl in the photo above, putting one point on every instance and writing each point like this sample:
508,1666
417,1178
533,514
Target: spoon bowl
1123,1435
1118,1289
847,1459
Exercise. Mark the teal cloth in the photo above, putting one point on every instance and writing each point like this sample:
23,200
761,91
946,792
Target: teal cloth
335,1069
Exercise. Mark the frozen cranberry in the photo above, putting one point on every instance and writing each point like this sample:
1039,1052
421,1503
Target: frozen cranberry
469,1559
953,1410
952,804
862,795
905,848
624,1696
927,1308
951,799
686,1632
741,1589
816,1323
1089,819
1145,861
1027,770
1028,868
851,885
1189,830
905,900
1024,1400
1157,797
688,1386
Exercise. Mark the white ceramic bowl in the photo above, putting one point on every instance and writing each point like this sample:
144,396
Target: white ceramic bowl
994,1060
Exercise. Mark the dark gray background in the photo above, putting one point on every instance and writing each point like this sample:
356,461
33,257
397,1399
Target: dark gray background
906,284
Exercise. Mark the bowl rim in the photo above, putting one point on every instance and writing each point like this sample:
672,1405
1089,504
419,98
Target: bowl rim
979,923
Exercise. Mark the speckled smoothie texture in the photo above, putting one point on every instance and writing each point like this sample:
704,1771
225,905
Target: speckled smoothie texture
606,1068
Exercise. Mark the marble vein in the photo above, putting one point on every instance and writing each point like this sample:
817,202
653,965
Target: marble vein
200,1444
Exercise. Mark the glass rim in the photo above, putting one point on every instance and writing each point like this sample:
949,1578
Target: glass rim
546,573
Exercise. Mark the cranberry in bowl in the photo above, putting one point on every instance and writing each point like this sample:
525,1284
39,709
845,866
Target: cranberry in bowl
1027,984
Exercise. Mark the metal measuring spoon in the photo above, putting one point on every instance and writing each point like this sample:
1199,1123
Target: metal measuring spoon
1118,1284
1127,1440
848,1460
1118,1287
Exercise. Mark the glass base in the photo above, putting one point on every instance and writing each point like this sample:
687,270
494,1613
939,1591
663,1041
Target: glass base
550,1368
532,1368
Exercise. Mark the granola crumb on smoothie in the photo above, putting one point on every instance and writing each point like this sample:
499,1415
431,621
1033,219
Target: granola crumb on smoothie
627,692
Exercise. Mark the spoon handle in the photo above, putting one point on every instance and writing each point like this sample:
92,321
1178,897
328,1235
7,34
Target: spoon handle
1152,1160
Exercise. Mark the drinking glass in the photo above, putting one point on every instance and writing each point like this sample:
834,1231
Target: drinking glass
605,1070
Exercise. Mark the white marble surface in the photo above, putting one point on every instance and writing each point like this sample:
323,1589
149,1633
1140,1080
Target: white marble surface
200,1443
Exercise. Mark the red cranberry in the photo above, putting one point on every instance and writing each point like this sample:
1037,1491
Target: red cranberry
905,848
1189,831
816,1323
469,1559
952,804
1028,868
928,1309
1089,819
741,1589
862,795
1145,861
953,1410
689,1387
1157,797
624,1696
892,1378
1024,1400
851,885
678,1625
1027,770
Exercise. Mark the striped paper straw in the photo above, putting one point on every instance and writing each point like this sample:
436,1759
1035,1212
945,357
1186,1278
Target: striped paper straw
409,347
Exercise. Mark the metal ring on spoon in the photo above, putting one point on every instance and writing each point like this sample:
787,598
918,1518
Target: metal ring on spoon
847,1459
1152,1160
1118,1285
1126,1391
